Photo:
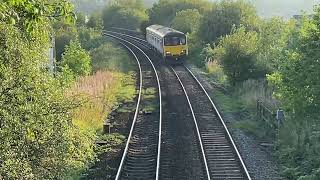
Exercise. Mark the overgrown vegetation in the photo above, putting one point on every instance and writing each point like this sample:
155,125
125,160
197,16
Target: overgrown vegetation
49,122
38,138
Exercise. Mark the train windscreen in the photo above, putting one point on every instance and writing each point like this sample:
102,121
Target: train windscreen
174,41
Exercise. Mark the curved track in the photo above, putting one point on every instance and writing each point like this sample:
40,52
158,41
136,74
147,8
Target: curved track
224,160
219,153
142,152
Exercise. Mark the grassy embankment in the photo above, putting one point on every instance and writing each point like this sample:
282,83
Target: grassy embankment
240,102
112,83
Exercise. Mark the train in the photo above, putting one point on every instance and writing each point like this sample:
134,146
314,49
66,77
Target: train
171,44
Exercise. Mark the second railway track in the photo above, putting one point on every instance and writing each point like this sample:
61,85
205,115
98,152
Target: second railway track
224,160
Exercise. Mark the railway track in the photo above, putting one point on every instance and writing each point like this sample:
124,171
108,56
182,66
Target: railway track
224,160
140,159
212,152
181,156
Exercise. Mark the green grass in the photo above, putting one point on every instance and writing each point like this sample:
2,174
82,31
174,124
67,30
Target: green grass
227,103
254,127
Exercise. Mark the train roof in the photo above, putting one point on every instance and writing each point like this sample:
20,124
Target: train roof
163,31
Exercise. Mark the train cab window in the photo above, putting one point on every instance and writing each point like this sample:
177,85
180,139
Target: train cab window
174,41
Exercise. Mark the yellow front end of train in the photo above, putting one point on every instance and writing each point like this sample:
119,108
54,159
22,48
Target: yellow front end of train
175,48
175,53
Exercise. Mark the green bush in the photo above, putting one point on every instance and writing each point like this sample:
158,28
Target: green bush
77,59
38,139
237,54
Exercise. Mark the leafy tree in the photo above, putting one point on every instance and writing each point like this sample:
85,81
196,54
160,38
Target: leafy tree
207,53
81,20
274,36
297,83
225,16
144,25
63,36
77,59
38,140
124,14
165,11
90,38
187,21
29,14
237,55
95,21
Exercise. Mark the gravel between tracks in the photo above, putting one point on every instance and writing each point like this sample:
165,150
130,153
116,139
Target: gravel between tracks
260,163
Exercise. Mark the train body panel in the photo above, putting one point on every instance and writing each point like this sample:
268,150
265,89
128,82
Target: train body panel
171,44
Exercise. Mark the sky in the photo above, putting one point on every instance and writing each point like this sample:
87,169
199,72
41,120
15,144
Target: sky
284,8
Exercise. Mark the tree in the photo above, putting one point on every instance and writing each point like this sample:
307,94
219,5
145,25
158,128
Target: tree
29,14
77,59
274,36
237,54
38,139
90,38
224,16
165,11
144,25
63,36
187,21
297,85
95,21
81,20
124,14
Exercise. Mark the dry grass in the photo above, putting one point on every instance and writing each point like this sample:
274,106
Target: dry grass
99,92
96,84
252,90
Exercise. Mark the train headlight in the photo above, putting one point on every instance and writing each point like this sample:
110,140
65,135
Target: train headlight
168,53
184,52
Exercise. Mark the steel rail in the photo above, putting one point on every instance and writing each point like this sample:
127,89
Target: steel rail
223,123
160,116
196,125
135,114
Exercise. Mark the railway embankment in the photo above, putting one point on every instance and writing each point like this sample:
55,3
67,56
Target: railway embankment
111,103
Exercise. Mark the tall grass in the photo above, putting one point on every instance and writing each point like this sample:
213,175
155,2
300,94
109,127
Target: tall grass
101,92
216,72
251,90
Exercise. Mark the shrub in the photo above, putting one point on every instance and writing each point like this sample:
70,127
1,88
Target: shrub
77,59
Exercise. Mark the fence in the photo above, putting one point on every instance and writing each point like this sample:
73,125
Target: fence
273,118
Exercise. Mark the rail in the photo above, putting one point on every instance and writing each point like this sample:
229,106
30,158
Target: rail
223,123
196,125
136,113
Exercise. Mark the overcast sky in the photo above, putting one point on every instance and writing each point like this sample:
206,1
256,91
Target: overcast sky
286,8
